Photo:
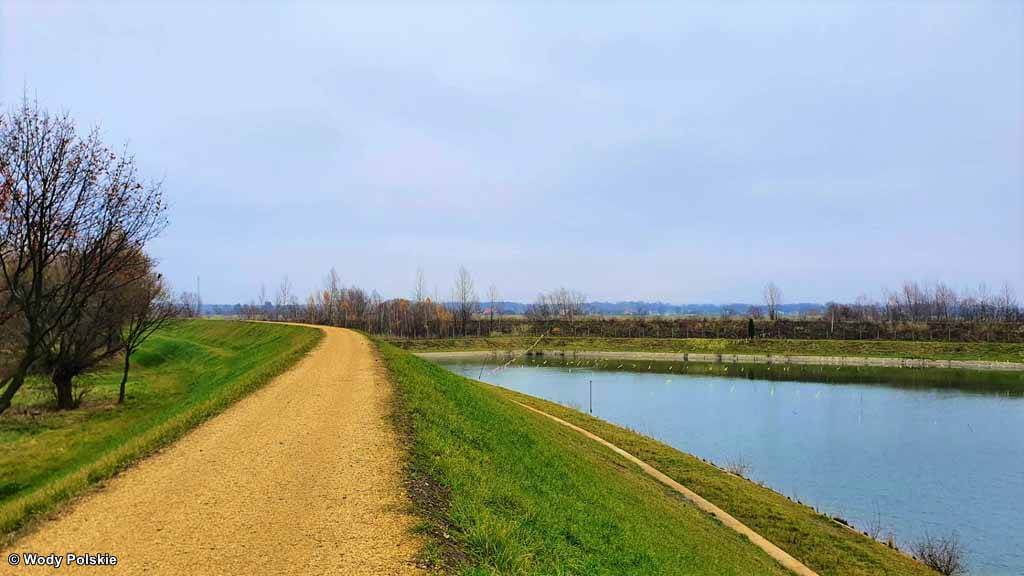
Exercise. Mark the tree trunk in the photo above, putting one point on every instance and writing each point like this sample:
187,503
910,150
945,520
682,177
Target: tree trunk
65,397
12,387
17,379
124,377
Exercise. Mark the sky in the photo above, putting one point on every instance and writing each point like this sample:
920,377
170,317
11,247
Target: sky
683,152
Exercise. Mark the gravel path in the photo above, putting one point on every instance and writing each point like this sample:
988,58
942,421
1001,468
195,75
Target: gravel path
301,477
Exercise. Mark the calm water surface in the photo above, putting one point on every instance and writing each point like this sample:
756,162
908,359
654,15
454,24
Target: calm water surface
916,460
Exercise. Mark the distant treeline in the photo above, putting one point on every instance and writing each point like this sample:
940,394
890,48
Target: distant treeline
912,313
642,309
818,328
629,308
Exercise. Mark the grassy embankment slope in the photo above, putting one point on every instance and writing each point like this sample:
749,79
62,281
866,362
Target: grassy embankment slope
989,351
185,373
512,492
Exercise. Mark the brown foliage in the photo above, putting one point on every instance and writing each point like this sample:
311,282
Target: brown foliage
72,215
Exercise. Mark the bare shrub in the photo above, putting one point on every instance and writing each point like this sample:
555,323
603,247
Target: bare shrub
573,405
944,554
739,466
875,527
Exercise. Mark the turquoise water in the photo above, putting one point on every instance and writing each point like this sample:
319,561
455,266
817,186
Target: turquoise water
914,460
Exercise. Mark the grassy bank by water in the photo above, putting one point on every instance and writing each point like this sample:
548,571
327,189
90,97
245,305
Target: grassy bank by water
511,492
997,352
820,542
186,372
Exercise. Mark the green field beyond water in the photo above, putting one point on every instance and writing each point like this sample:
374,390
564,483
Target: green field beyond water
995,352
185,373
511,492
982,381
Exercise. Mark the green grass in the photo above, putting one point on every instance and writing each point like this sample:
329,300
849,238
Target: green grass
816,540
990,351
525,495
185,373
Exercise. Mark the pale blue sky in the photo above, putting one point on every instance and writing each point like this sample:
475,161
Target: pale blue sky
673,151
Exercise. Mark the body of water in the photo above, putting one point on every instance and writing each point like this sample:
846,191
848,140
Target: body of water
914,459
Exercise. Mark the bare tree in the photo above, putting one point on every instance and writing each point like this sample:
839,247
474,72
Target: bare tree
419,308
332,298
772,300
868,310
147,307
187,305
540,309
944,301
915,301
1006,303
419,291
261,298
984,302
577,305
71,210
892,306
465,298
562,304
283,299
494,304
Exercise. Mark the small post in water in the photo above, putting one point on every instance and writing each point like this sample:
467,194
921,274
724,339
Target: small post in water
591,396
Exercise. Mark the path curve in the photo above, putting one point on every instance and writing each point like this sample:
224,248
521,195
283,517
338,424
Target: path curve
300,477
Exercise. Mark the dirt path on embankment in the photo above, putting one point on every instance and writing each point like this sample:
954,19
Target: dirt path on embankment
301,477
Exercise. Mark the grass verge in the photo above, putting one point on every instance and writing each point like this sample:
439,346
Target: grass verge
515,493
185,373
818,541
989,351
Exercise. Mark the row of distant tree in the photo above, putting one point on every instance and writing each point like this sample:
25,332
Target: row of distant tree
629,308
421,316
76,284
463,313
915,302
